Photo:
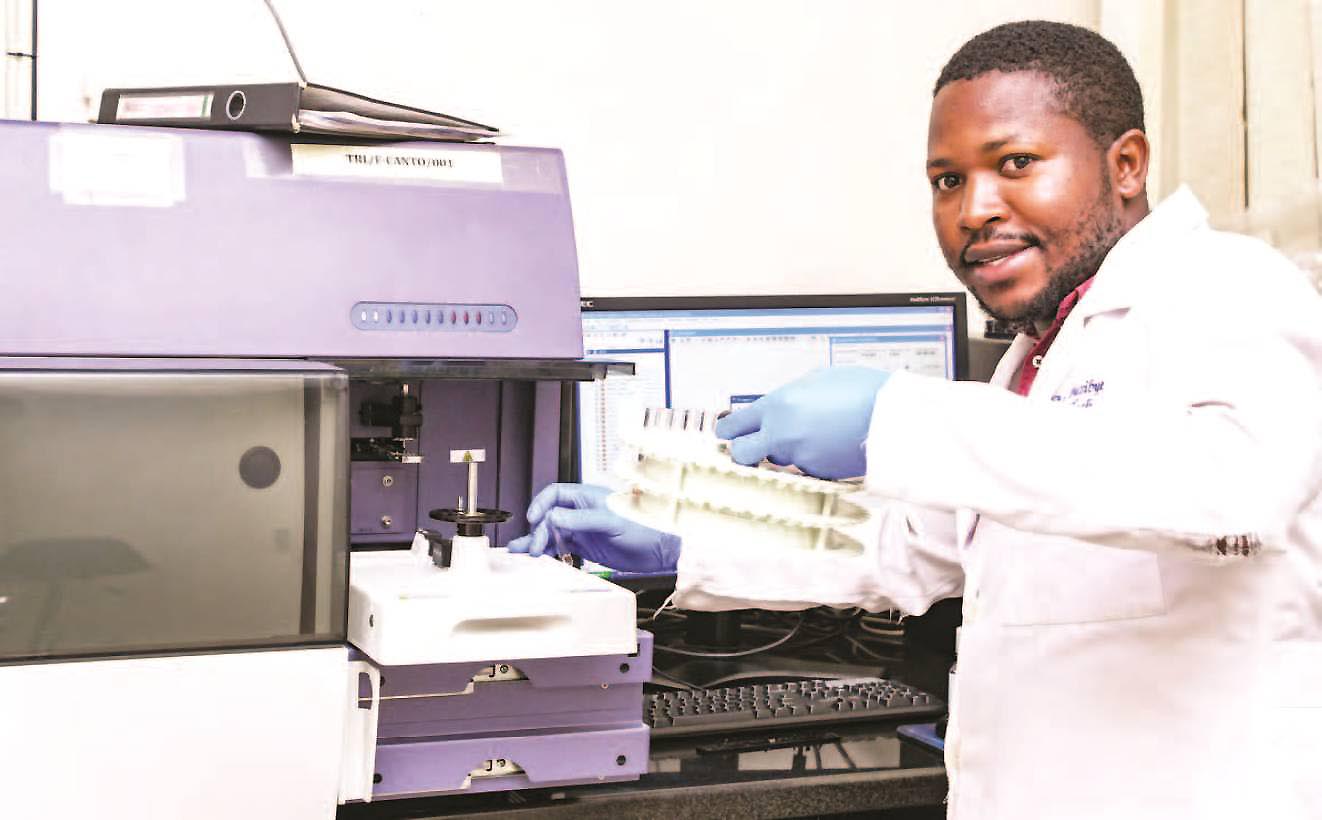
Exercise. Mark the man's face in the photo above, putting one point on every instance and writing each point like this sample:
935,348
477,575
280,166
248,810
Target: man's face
1021,195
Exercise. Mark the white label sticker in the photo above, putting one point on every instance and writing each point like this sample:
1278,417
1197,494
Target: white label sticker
97,168
398,163
164,106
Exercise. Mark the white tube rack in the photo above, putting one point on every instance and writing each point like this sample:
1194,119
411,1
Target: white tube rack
676,476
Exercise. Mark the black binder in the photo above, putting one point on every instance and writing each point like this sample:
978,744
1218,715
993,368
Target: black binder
290,107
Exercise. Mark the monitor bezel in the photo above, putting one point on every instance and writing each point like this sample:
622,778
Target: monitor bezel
959,299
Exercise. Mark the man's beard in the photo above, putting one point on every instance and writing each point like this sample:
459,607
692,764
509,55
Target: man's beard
1100,227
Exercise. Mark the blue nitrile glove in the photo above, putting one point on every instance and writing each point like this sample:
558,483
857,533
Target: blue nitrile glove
818,423
573,518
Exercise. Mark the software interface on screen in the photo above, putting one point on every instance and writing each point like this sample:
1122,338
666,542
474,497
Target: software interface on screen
717,358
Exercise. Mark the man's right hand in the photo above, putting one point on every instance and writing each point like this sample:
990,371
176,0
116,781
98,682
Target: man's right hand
573,518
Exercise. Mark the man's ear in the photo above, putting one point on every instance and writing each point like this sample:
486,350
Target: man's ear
1127,162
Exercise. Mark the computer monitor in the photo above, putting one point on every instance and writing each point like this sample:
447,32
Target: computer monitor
716,352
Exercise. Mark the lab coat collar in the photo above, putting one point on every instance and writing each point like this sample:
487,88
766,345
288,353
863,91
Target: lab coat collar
1126,268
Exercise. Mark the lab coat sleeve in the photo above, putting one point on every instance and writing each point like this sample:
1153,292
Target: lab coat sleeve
1225,446
909,562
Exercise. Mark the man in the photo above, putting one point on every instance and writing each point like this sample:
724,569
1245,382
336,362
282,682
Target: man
1132,510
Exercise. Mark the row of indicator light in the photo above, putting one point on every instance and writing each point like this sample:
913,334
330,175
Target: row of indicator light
414,316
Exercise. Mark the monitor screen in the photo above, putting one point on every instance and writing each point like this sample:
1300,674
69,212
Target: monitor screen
714,353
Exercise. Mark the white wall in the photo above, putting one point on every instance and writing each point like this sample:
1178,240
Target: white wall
730,146
16,62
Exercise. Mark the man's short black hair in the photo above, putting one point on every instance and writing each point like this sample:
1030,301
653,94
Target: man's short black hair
1094,82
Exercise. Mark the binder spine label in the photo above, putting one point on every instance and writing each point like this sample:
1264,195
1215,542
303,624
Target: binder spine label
194,106
381,162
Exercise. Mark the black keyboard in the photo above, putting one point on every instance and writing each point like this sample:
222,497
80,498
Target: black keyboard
755,708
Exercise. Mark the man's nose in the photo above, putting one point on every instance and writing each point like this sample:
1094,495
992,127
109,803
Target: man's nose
981,203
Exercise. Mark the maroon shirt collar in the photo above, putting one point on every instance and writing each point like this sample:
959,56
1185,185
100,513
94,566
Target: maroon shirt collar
1033,361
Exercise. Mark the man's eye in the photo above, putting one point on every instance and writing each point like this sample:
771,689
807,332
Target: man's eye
1018,162
945,182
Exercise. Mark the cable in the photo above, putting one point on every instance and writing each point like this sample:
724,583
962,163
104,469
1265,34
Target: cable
841,636
881,623
887,633
845,754
650,615
691,653
859,647
658,673
289,46
839,615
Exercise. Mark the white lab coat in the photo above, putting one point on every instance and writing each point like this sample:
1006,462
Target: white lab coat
1112,663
